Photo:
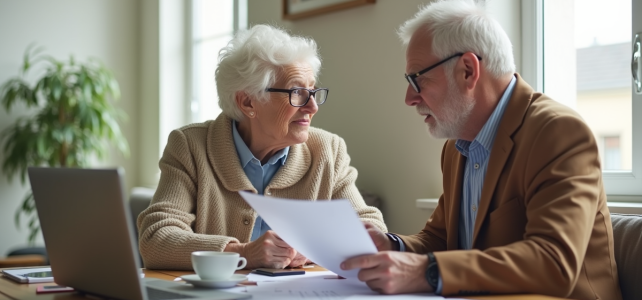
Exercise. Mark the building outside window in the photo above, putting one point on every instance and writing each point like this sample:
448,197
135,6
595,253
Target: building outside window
586,50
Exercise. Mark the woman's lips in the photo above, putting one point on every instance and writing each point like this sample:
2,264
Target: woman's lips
302,122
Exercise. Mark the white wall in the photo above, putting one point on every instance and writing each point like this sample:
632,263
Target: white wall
105,29
363,64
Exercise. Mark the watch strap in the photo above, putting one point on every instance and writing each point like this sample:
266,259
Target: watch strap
432,272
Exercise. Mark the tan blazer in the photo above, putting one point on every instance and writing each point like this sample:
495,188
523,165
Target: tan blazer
542,225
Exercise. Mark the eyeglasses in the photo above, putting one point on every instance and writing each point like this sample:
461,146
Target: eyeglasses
300,96
412,79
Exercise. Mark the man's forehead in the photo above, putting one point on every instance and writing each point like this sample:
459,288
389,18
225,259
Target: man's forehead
419,53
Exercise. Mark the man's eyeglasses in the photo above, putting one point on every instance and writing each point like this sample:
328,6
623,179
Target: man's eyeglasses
300,96
412,79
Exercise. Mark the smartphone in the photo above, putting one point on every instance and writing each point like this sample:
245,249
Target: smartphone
53,289
278,272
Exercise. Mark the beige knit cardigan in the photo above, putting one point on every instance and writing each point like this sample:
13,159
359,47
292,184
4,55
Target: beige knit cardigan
197,205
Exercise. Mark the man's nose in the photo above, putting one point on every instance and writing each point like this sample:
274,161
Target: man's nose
412,97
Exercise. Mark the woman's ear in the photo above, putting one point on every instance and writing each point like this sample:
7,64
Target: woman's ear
245,104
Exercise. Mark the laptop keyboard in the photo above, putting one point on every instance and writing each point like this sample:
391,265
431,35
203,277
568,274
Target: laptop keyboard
155,294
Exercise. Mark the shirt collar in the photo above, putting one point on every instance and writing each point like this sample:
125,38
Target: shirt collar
486,135
245,155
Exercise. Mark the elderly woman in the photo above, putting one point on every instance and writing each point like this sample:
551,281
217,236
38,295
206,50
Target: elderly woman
263,143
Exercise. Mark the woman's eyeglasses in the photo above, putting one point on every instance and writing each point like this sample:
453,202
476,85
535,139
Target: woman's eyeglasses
300,96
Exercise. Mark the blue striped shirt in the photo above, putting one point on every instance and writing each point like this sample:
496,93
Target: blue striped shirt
259,175
477,153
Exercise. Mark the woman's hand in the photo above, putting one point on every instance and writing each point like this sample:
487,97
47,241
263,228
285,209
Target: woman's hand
268,251
299,260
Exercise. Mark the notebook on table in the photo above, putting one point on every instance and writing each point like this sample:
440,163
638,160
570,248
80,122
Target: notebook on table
89,236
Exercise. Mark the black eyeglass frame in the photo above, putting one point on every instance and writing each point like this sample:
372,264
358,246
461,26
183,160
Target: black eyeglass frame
311,93
412,79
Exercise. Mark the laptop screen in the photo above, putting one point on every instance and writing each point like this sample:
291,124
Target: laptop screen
87,230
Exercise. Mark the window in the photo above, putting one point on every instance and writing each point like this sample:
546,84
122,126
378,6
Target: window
579,53
611,153
213,24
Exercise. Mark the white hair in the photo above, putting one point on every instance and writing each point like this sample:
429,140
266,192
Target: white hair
251,60
462,26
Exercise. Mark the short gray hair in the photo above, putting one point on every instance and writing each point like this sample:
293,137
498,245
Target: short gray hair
251,60
462,26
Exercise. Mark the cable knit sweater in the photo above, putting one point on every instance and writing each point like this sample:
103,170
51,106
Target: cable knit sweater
197,205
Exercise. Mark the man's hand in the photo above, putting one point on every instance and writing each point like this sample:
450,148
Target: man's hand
268,251
380,239
392,272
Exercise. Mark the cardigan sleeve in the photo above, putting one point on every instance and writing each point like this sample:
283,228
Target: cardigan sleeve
167,238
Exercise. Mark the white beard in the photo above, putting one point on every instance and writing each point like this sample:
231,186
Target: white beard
457,108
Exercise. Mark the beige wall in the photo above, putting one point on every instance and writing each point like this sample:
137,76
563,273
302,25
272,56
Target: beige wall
363,64
105,29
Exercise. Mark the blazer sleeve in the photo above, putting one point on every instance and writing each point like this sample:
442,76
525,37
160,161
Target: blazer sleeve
563,188
345,188
166,237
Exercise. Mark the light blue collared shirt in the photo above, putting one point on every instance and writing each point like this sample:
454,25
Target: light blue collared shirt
478,153
259,175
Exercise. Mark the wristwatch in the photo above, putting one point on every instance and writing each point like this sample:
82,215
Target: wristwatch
432,272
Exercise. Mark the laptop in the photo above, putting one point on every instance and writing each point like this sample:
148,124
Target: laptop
89,236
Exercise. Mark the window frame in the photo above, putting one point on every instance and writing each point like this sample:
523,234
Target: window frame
619,185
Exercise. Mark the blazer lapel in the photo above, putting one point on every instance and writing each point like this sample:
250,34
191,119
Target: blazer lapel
513,117
455,203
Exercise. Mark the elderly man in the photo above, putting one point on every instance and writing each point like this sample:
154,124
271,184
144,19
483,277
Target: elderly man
523,208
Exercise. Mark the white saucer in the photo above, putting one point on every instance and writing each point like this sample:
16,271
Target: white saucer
217,284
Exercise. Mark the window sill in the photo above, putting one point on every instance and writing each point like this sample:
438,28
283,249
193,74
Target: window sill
614,206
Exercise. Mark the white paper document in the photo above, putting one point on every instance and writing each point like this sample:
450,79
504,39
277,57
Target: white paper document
29,275
264,279
324,289
326,232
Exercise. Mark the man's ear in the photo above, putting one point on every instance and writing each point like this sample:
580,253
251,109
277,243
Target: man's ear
245,104
471,67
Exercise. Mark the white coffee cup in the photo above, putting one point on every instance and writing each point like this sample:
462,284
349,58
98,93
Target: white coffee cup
213,265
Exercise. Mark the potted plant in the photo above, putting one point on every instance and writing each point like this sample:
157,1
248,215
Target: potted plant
73,120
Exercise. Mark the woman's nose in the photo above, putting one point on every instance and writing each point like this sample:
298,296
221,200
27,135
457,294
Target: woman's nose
311,106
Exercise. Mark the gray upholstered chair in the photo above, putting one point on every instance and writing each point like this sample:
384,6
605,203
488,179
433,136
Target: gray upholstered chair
139,199
627,234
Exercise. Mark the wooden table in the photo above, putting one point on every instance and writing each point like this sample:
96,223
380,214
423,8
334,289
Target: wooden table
11,290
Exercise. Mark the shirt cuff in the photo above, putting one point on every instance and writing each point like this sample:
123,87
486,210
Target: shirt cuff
402,246
397,241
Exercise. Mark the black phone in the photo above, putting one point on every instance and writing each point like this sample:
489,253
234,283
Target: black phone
278,272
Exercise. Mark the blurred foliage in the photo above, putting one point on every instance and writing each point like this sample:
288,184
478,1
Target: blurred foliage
75,120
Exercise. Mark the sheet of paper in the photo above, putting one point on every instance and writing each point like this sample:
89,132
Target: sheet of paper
326,232
22,274
324,289
264,279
